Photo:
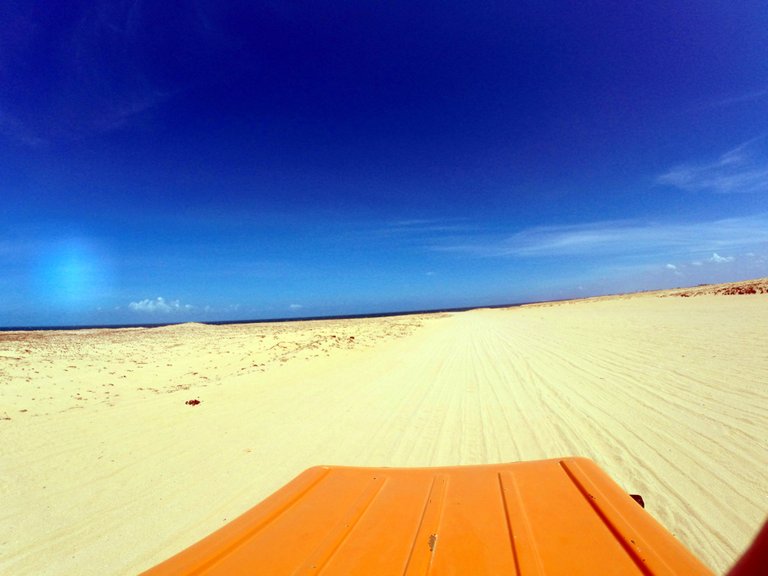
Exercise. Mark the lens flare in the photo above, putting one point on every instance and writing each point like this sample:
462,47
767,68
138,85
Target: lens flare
72,275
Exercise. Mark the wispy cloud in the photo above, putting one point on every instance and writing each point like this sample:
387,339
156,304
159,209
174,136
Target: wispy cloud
420,227
75,73
737,99
159,304
741,170
616,239
13,128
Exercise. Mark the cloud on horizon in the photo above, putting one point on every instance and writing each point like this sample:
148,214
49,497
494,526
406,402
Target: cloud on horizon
159,304
717,259
743,170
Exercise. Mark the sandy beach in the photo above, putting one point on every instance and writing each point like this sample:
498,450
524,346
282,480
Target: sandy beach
106,469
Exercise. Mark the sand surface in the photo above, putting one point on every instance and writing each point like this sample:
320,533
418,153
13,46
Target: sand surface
105,470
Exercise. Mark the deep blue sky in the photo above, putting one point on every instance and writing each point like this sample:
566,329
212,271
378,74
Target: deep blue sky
170,161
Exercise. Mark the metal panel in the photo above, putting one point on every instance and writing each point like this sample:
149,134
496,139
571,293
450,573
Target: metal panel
562,516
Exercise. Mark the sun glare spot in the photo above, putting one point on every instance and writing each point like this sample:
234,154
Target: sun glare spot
72,274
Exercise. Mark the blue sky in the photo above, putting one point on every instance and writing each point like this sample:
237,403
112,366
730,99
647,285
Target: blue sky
194,160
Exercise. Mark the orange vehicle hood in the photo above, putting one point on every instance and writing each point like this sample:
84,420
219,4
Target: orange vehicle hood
562,516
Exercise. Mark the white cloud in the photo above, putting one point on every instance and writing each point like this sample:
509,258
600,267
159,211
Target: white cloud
159,304
671,267
741,170
295,306
629,238
717,259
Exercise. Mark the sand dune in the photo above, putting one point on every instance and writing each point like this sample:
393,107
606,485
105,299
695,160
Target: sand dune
106,470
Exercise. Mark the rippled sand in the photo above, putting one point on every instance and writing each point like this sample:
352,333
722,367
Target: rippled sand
106,469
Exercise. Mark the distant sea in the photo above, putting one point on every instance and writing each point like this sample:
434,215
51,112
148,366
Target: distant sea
258,320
